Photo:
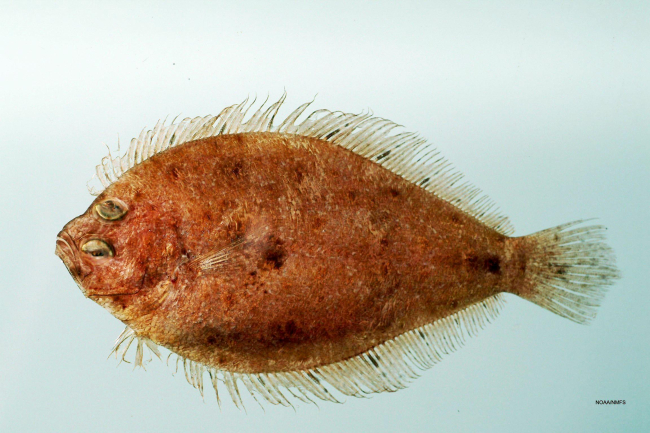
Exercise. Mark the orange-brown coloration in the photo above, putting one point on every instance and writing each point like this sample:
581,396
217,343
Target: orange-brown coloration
339,254
274,252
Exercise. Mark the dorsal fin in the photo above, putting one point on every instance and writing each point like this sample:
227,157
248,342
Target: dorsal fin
406,154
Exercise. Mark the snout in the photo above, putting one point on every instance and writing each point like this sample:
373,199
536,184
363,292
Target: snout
68,253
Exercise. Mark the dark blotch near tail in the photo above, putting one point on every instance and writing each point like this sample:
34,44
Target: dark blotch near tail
487,263
493,264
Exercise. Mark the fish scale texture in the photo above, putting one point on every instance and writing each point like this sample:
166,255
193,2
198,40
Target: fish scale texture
290,259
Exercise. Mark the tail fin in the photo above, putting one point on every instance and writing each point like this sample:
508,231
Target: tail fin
568,270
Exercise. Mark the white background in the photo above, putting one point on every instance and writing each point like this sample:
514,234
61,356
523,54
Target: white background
544,105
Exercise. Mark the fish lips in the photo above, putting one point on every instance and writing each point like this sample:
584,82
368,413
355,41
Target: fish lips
68,252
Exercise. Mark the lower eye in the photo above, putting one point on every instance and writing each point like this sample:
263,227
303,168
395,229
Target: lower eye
98,248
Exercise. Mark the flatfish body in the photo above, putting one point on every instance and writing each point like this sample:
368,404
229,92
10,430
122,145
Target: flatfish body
325,254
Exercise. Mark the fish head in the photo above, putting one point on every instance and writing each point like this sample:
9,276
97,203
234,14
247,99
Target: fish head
108,250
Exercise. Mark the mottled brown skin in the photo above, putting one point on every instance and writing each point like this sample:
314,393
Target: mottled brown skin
333,254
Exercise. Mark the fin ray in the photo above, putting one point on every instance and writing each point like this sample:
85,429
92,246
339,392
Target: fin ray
570,269
387,367
405,154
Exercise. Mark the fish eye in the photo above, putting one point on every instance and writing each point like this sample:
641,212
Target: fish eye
98,248
111,209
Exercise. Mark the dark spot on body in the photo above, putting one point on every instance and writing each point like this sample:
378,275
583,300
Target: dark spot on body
454,218
215,337
486,263
275,258
290,328
352,195
299,174
175,173
286,333
394,192
275,253
237,169
233,168
493,264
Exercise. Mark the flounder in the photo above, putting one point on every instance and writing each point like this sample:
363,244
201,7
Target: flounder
328,253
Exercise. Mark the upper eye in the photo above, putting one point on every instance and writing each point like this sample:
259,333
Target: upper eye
98,248
111,209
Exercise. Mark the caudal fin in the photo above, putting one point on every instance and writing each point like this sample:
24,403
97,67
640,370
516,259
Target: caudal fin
569,269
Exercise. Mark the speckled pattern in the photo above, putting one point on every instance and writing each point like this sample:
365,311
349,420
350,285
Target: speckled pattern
329,254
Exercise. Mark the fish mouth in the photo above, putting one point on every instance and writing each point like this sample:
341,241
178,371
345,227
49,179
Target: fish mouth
68,252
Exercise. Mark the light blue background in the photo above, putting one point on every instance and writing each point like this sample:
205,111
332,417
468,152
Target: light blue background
544,105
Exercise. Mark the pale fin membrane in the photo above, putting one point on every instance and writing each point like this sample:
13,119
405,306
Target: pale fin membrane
387,367
569,270
405,154
216,259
